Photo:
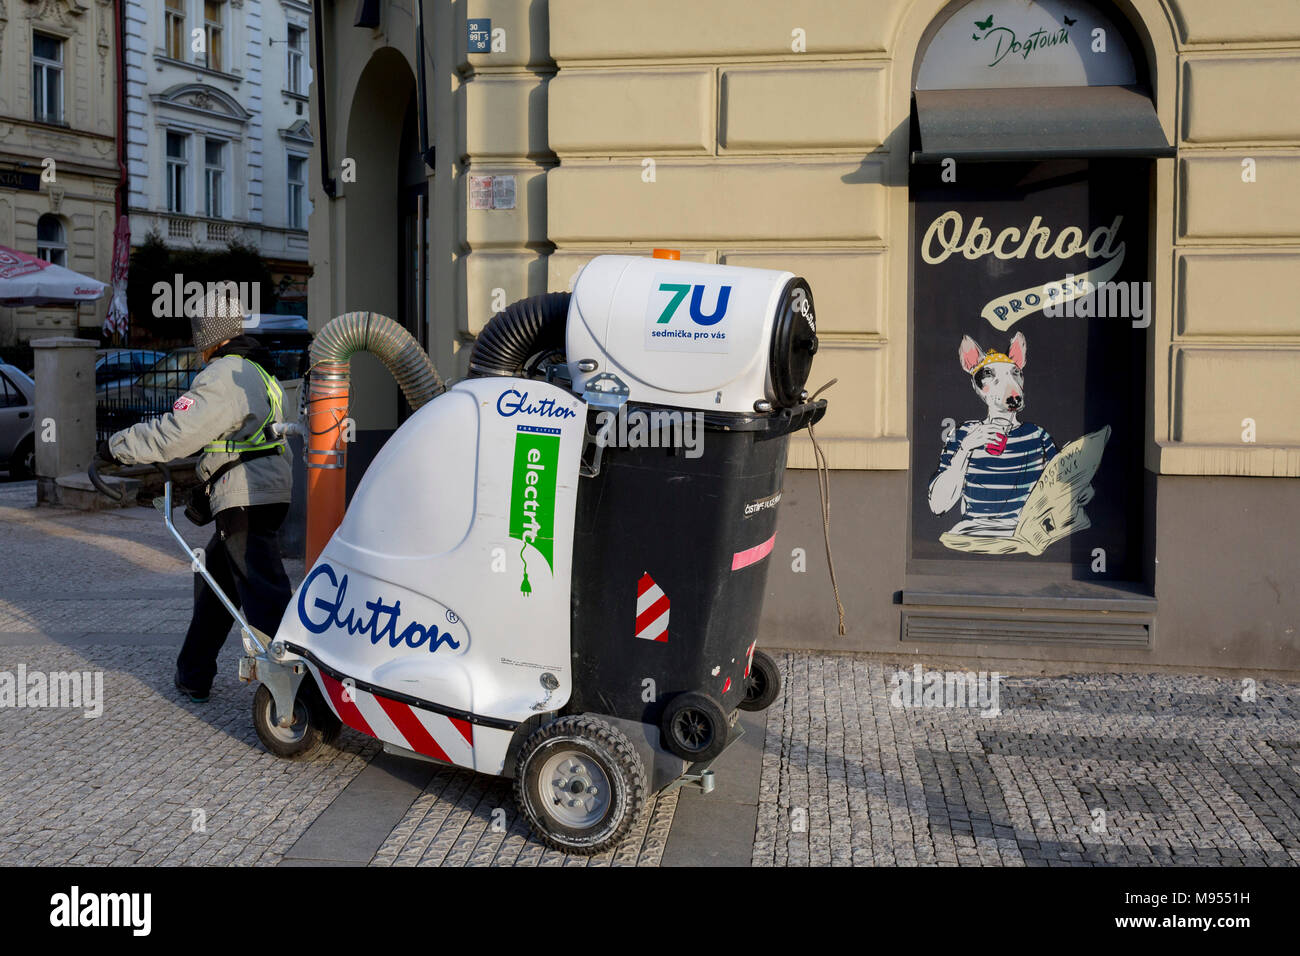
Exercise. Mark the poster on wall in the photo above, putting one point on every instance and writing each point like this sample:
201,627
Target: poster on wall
1031,310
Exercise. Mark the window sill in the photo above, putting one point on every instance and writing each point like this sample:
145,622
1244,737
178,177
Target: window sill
1021,591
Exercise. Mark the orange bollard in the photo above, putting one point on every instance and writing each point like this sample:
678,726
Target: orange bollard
327,408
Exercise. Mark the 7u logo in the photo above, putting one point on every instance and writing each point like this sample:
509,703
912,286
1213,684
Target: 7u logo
679,292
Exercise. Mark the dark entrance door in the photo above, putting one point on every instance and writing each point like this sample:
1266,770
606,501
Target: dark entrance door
412,258
1028,397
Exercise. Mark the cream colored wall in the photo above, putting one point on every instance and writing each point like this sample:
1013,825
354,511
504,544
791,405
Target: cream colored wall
84,152
1234,346
767,156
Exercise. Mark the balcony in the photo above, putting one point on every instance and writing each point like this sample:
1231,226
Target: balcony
200,230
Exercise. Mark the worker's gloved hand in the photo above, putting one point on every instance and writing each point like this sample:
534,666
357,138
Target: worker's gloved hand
103,454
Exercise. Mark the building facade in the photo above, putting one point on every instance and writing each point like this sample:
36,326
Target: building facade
58,150
1017,472
218,135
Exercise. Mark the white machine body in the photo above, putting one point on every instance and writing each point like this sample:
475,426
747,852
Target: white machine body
683,334
437,617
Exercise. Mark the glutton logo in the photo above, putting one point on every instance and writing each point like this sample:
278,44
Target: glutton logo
320,608
513,402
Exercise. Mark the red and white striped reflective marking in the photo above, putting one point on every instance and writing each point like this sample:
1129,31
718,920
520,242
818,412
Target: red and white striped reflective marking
743,559
749,656
651,610
435,735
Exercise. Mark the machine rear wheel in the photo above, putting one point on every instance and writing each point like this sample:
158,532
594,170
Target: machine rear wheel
314,724
580,783
763,683
694,727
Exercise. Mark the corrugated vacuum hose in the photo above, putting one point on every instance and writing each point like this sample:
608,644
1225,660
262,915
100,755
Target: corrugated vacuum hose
327,393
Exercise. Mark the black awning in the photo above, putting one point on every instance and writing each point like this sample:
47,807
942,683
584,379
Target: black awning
1080,122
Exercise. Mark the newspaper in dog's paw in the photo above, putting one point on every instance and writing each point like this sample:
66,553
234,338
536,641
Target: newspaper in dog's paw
1053,509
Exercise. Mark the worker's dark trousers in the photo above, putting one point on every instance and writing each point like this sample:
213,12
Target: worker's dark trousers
244,558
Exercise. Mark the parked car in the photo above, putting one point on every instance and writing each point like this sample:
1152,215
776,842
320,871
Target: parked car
122,365
154,391
17,422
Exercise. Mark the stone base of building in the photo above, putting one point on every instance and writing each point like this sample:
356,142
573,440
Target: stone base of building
1220,591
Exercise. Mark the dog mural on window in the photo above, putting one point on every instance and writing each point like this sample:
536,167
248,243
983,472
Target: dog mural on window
994,467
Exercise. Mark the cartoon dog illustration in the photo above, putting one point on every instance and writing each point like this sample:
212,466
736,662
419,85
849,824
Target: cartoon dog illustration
991,465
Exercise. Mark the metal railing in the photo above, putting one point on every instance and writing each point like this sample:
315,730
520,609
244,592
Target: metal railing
120,405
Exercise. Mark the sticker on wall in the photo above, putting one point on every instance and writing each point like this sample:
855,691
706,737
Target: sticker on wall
651,610
492,192
1017,493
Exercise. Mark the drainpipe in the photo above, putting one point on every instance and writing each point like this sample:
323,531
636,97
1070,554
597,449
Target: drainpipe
122,194
326,180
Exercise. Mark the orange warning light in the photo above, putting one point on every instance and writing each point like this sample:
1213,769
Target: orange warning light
667,254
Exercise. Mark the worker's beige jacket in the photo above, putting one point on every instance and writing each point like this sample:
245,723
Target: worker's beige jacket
227,400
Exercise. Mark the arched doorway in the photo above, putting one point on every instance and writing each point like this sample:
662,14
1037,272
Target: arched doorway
1030,194
378,237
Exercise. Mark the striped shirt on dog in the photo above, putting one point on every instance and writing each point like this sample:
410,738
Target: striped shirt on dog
997,485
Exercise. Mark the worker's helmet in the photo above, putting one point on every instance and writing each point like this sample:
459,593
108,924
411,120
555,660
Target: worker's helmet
221,318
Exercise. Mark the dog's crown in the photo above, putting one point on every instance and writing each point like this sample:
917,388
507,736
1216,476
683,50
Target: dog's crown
992,355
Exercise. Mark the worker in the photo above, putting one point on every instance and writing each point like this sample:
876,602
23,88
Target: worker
227,415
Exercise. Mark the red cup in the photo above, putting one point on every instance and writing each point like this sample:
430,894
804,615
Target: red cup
999,444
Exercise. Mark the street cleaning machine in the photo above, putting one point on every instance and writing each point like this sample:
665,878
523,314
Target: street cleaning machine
554,569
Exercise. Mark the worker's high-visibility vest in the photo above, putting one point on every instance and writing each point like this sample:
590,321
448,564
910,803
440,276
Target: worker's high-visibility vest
261,439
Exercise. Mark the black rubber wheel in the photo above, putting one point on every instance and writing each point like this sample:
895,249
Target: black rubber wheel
580,783
763,683
694,727
22,465
314,724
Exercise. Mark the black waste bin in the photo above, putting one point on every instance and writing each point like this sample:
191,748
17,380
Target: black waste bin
670,562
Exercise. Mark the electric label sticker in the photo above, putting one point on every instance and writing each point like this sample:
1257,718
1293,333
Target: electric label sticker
676,319
532,494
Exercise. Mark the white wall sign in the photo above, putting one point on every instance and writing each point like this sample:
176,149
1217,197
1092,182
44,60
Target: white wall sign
991,44
491,192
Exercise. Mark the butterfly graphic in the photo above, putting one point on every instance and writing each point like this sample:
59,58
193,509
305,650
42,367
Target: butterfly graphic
1068,21
984,25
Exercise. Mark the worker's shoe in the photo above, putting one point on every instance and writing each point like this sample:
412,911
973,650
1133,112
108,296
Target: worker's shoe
195,696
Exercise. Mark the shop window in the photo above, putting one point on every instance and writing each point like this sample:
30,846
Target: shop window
1030,203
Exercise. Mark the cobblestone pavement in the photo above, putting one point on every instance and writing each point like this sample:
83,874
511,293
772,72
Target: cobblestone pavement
465,819
1176,768
1136,769
156,779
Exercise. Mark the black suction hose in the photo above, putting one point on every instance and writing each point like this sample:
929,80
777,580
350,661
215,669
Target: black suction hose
522,330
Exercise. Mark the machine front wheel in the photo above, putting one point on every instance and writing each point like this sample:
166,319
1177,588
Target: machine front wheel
762,684
314,724
580,783
694,727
